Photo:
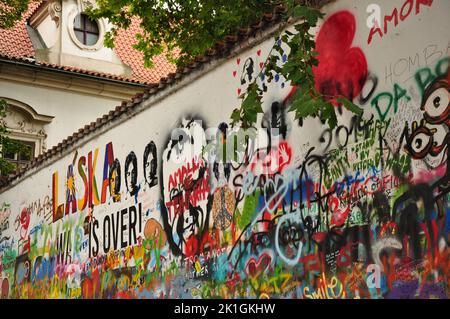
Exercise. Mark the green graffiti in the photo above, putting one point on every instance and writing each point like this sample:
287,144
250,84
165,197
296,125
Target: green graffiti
248,210
425,76
392,99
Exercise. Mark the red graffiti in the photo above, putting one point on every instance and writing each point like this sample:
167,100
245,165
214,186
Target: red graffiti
274,162
5,289
91,286
23,222
233,281
191,247
25,218
311,263
342,69
256,267
392,20
187,187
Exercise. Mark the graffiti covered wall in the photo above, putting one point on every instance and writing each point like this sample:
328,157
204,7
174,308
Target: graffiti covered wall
176,203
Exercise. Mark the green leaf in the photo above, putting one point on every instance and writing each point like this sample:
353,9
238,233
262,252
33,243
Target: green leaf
304,106
251,105
350,106
311,15
236,115
329,114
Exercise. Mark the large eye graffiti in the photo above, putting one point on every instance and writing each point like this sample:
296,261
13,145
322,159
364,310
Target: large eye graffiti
420,142
435,102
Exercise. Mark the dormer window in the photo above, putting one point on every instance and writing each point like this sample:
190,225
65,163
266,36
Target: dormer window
85,33
86,30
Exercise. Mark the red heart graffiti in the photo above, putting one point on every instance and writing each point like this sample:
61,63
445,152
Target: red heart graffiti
258,52
342,69
234,73
238,60
255,268
239,91
261,64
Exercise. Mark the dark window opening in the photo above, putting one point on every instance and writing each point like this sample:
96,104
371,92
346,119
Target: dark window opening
22,157
86,30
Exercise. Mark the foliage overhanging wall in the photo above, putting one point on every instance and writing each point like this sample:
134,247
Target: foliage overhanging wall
156,208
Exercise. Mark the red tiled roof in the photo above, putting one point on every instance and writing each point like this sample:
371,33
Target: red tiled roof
135,59
51,66
15,43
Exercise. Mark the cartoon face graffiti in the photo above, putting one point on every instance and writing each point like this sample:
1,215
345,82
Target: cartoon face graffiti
436,102
436,107
189,222
114,181
247,71
421,142
131,173
150,164
185,188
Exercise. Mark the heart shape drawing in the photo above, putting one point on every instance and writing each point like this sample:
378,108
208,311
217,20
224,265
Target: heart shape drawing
258,52
261,64
238,61
255,267
234,73
342,69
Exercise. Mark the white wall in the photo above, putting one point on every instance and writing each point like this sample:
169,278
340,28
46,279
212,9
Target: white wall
71,110
211,98
48,31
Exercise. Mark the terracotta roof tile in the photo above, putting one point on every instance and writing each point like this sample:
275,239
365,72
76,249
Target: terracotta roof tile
135,59
15,43
50,66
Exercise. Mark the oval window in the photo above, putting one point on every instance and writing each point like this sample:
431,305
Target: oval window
86,30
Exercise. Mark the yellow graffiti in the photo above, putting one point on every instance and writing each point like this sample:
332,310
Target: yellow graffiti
326,290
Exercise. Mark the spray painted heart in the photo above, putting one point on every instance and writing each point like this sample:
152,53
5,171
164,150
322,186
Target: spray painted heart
255,267
342,69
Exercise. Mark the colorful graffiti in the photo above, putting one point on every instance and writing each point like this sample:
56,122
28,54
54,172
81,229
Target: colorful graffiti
361,212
